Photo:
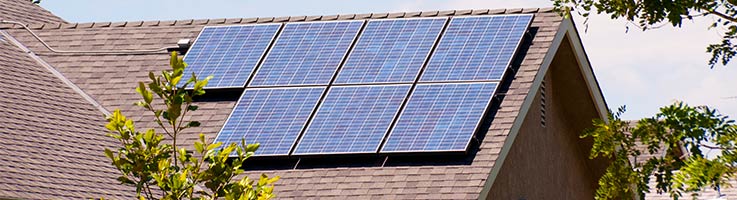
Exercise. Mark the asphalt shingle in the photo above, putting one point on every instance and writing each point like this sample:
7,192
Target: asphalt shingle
52,138
25,11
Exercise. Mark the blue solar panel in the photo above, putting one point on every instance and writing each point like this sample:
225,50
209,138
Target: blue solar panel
273,117
476,48
440,117
307,53
230,53
391,51
353,119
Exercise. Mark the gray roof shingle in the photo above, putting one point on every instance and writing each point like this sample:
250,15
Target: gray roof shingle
26,12
51,137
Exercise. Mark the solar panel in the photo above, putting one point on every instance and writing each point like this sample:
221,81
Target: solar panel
476,48
307,53
353,119
273,117
230,53
440,117
391,51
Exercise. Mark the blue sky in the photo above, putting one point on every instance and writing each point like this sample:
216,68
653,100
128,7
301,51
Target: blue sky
643,70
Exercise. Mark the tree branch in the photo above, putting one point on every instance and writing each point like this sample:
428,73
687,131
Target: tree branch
723,16
714,147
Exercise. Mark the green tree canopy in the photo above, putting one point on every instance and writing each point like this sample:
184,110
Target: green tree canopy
664,135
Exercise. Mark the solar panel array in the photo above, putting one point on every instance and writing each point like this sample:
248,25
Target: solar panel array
359,86
229,53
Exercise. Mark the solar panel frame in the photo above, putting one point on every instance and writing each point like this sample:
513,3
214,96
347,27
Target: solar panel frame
508,63
255,67
471,136
299,133
383,135
334,72
419,69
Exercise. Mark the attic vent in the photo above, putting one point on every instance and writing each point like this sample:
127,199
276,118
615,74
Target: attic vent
542,104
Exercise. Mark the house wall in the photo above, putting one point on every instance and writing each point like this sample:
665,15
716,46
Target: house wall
550,161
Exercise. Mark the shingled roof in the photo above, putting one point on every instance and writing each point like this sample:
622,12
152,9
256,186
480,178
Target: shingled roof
108,79
27,12
51,136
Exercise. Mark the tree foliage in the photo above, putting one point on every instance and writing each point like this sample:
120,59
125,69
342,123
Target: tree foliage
674,138
162,170
650,14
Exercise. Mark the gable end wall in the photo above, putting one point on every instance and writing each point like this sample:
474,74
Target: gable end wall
551,161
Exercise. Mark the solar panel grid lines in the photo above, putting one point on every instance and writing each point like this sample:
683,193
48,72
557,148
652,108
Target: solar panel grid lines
391,51
273,117
307,53
371,86
352,119
476,48
229,53
440,117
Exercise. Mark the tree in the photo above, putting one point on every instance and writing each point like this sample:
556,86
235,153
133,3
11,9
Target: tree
651,14
675,172
146,160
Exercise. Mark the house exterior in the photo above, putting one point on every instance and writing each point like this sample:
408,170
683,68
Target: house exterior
54,97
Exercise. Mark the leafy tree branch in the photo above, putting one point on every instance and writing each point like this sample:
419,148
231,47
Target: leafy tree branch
676,170
159,170
652,14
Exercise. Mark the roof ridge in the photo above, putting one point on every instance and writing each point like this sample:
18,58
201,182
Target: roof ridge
255,20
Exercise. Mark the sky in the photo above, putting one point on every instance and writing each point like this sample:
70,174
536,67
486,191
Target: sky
642,70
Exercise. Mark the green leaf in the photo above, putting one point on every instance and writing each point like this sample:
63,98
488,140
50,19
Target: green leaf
192,107
125,180
173,58
109,153
193,124
214,145
199,147
252,147
147,96
199,85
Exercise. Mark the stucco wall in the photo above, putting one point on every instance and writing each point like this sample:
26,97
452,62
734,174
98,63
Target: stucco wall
550,161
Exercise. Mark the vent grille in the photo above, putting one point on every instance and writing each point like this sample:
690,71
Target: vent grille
543,104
